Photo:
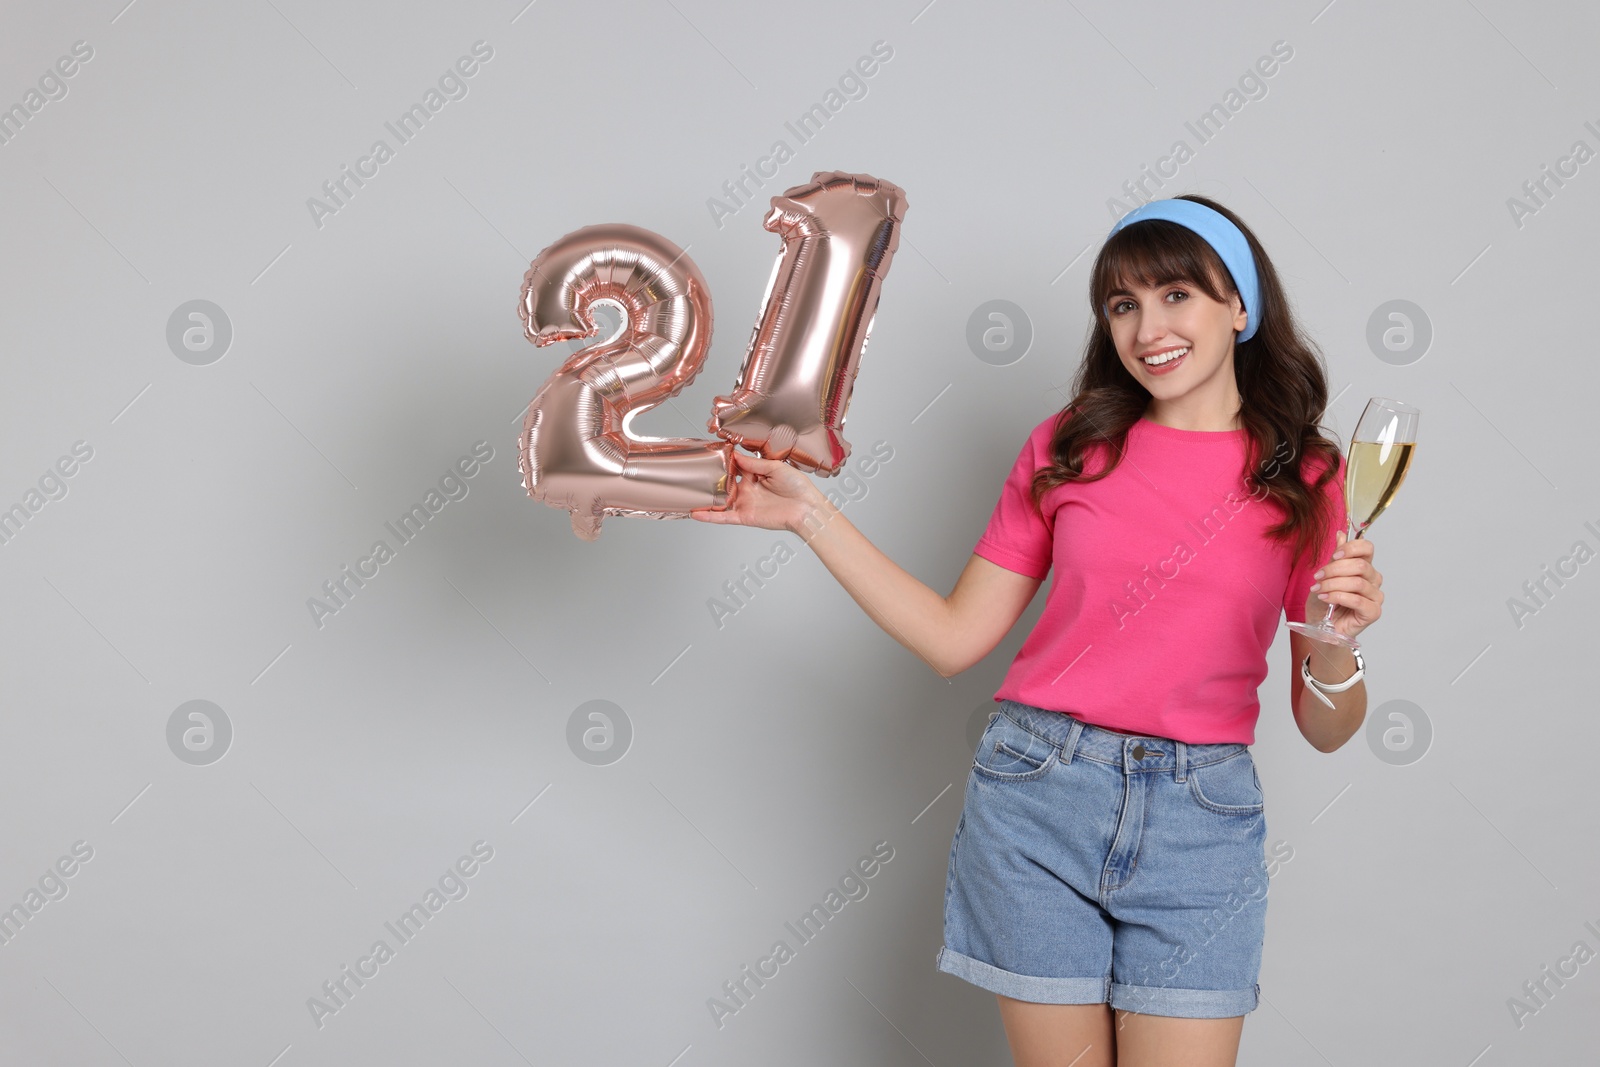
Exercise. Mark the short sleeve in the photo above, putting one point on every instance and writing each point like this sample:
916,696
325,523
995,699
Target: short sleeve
1300,579
1018,537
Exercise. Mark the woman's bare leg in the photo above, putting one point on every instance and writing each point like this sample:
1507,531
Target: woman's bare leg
1164,1041
1092,1035
1058,1035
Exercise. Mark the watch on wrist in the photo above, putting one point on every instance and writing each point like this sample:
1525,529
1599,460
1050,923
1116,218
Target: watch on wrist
1319,688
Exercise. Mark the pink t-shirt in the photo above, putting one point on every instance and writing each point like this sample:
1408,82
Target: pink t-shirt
1167,591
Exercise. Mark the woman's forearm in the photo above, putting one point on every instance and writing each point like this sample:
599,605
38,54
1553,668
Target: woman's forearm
1329,728
907,609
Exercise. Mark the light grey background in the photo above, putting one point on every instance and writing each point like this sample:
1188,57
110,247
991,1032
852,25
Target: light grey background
768,755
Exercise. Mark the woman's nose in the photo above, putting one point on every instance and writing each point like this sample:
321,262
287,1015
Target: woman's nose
1152,327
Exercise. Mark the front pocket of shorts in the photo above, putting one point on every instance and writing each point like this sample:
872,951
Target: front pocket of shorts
1228,787
1009,753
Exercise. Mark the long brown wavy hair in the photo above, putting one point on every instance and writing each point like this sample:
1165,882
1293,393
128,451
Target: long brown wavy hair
1282,381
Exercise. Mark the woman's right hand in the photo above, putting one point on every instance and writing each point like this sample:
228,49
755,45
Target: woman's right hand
771,494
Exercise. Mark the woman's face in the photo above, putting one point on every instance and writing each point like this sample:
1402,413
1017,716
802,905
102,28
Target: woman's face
1176,317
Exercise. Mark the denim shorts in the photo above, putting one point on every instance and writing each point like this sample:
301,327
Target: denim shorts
1091,866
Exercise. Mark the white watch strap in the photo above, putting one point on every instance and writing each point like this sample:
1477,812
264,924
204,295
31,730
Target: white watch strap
1320,688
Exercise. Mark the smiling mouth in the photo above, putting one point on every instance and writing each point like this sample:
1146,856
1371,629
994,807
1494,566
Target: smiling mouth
1165,358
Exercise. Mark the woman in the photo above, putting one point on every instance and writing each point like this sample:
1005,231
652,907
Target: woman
1107,878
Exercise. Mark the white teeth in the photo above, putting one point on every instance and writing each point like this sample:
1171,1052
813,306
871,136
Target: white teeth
1165,357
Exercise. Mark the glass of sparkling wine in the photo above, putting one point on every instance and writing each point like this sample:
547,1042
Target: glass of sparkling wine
1381,451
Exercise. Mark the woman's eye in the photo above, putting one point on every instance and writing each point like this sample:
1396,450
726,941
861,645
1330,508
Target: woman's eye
1178,292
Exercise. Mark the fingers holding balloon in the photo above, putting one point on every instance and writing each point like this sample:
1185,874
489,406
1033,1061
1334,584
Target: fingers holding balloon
766,493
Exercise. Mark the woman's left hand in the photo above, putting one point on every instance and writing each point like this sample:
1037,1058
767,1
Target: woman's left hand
1351,584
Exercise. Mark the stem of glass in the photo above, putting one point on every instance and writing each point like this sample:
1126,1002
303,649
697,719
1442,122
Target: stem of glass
1327,620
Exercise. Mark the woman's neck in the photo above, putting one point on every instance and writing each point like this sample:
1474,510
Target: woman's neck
1197,415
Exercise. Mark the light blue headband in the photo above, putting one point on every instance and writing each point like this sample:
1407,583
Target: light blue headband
1222,235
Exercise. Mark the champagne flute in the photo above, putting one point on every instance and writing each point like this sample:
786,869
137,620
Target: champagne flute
1380,454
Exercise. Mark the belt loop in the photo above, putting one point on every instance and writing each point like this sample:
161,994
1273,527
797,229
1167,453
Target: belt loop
1183,753
1071,742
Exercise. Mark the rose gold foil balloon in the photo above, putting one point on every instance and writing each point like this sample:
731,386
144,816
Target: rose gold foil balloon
840,232
577,450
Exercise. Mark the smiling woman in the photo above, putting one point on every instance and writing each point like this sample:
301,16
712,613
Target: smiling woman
1196,374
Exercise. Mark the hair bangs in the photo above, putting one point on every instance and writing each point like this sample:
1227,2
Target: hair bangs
1153,253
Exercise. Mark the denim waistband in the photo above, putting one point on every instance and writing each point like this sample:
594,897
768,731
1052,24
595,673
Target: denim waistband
1132,752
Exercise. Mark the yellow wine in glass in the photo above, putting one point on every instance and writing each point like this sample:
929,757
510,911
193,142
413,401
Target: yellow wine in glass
1373,473
1374,469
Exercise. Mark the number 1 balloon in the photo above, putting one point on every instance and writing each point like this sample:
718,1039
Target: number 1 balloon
577,449
839,238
